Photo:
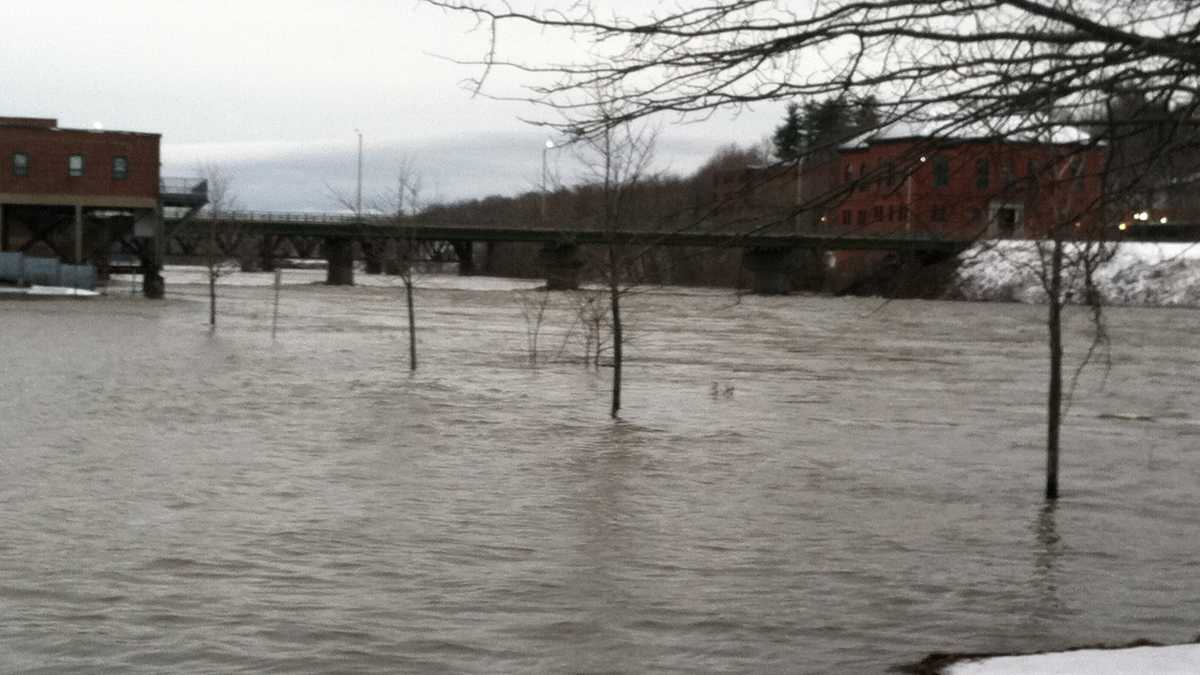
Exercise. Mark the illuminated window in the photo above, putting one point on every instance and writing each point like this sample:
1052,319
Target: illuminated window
120,168
20,164
75,165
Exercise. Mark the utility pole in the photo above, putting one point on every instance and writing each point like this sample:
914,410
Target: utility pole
358,200
545,148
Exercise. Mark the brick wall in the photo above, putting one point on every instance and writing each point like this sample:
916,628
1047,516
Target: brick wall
48,150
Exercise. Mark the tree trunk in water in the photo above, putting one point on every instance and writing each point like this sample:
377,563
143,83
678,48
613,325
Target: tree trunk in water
614,291
212,298
212,277
1056,353
412,323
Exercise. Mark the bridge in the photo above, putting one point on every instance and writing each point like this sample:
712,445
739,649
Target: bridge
768,248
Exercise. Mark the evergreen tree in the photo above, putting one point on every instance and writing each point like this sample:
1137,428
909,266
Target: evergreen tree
788,135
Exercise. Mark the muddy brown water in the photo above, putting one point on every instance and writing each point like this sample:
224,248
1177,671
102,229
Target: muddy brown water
796,485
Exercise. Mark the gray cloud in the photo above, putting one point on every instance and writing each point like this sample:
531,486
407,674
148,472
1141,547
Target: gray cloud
275,177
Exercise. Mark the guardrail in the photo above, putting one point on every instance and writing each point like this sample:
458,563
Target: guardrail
182,186
295,217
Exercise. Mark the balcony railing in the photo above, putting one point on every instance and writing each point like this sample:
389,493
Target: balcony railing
189,192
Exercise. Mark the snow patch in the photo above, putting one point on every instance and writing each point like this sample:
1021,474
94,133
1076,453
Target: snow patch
1173,660
1139,273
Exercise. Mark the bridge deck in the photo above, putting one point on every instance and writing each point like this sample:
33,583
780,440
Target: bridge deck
312,225
349,226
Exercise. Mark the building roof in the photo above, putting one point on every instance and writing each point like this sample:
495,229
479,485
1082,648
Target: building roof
1013,129
51,124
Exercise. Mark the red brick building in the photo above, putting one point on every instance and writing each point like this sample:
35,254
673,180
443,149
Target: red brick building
900,179
83,195
967,186
48,165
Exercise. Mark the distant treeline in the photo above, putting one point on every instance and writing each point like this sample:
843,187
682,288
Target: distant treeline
672,203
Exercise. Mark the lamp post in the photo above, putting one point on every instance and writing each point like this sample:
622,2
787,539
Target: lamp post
358,200
545,148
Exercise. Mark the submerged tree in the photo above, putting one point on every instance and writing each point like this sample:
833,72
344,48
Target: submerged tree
387,216
222,233
949,65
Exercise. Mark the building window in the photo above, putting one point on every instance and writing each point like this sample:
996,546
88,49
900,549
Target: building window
878,213
862,216
120,168
891,174
1009,168
891,212
20,164
1077,173
904,212
862,177
983,174
941,172
849,173
846,216
75,165
938,214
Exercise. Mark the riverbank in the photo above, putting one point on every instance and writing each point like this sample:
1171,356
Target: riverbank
36,292
1138,657
1139,273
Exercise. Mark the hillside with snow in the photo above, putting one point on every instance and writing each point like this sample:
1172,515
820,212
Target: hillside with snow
1138,273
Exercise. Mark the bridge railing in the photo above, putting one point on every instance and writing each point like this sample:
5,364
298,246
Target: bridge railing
178,186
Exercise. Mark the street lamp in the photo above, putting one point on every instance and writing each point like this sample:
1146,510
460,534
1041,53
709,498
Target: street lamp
358,200
545,148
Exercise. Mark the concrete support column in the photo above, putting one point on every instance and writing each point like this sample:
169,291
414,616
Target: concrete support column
153,286
770,269
339,253
266,254
372,250
465,251
482,256
78,259
562,264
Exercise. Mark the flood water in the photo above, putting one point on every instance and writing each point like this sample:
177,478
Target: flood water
801,485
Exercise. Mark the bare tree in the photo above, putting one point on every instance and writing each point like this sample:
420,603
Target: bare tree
534,303
408,203
388,214
948,65
222,233
592,314
617,159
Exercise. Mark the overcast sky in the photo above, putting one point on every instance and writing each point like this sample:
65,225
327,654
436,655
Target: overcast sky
273,91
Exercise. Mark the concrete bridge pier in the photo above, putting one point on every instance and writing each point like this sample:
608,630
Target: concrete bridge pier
339,254
465,252
266,257
373,251
562,264
770,269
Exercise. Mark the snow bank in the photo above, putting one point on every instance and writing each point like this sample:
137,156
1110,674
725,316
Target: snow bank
1140,273
1174,660
46,291
59,290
